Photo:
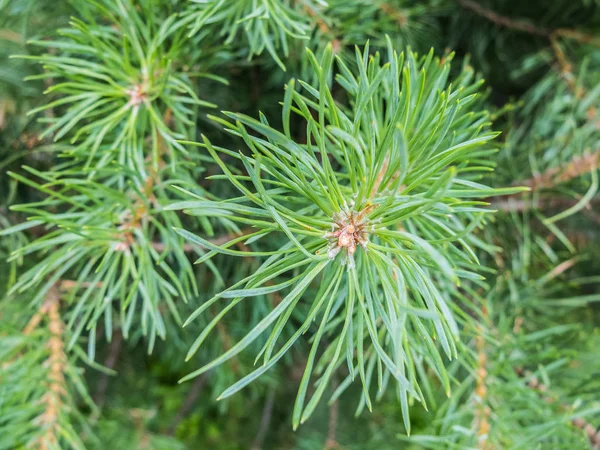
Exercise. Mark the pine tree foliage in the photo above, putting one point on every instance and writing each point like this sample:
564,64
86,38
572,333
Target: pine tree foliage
116,81
368,224
41,413
266,24
383,205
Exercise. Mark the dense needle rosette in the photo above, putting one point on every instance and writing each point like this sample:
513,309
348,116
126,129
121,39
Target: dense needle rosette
370,216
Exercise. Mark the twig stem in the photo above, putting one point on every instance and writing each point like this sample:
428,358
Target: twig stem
265,421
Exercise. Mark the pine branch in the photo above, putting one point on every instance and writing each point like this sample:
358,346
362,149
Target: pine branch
265,421
551,178
331,443
56,379
329,217
579,165
591,432
192,395
551,34
114,350
513,24
483,411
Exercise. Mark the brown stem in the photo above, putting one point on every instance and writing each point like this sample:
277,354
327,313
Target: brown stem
513,204
527,27
550,178
35,320
56,362
13,36
379,177
331,442
550,34
264,422
72,284
578,36
553,176
111,360
566,68
191,397
483,412
513,24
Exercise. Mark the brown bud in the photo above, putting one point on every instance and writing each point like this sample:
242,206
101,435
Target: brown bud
578,422
590,430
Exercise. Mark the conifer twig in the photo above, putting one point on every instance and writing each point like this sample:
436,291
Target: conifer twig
56,363
191,396
513,24
530,28
590,430
111,360
331,443
553,176
265,421
483,412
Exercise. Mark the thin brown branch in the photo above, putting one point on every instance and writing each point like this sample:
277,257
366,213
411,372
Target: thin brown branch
72,284
35,320
578,36
191,397
12,36
528,27
331,443
56,362
566,68
513,24
483,411
114,350
265,421
514,204
553,176
379,177
551,34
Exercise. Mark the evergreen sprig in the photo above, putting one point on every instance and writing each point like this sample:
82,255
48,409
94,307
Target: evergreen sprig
378,202
266,24
115,244
40,383
121,83
525,350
